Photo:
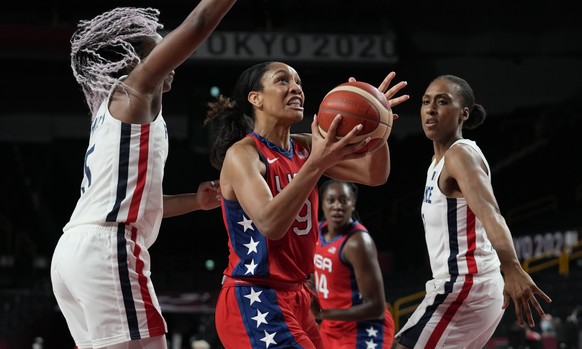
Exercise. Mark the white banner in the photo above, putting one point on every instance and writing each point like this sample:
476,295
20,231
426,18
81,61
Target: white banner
287,47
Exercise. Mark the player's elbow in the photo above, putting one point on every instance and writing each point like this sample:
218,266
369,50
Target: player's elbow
378,310
380,177
271,230
375,309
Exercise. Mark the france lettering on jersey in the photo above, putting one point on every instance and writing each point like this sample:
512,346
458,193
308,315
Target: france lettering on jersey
337,288
463,302
126,187
456,240
251,255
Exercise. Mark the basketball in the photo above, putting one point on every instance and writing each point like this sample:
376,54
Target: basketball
358,103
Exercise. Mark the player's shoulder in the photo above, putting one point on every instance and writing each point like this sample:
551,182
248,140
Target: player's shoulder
241,151
360,236
462,149
463,160
360,242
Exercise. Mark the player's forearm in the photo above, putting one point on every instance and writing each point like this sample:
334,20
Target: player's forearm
276,217
372,170
175,205
500,236
360,312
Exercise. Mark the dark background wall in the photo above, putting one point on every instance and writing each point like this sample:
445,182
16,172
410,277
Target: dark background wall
523,59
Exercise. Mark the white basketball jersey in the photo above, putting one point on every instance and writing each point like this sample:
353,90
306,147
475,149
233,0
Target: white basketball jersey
456,240
122,175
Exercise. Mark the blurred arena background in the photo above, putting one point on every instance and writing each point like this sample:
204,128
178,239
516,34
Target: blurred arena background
523,59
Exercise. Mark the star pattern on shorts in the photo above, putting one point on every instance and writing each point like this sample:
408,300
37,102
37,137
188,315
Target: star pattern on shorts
370,344
267,326
372,332
268,339
246,223
372,335
260,318
254,296
252,246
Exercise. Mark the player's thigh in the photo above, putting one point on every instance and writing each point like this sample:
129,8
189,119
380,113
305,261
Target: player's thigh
158,342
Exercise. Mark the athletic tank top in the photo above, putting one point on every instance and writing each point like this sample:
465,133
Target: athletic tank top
251,254
456,240
335,280
337,288
123,173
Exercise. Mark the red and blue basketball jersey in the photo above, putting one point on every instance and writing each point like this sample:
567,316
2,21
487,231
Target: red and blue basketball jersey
264,302
252,255
337,288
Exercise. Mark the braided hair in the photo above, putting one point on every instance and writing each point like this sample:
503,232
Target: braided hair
109,46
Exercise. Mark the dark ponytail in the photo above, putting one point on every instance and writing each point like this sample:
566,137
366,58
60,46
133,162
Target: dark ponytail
233,118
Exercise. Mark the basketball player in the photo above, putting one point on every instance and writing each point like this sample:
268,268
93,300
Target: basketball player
268,182
101,267
348,278
467,238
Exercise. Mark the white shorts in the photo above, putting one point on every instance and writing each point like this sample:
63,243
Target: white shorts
459,315
102,284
